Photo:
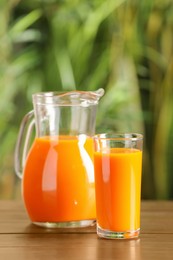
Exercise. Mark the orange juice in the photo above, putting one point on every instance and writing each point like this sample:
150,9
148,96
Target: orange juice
118,189
58,181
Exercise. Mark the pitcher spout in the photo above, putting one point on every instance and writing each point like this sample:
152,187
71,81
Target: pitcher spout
98,93
88,98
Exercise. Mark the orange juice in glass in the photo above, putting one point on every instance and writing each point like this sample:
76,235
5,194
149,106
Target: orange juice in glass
118,168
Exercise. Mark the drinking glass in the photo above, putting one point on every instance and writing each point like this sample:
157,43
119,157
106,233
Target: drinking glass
118,169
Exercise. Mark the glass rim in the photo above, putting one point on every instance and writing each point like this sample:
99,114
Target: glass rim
119,136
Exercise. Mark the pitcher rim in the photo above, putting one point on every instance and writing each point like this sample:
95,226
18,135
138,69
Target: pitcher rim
65,98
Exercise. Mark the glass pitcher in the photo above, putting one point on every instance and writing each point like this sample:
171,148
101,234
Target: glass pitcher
57,169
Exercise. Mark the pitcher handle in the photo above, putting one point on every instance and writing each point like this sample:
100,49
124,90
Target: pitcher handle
22,144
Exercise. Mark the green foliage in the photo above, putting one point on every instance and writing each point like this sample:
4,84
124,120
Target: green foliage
124,46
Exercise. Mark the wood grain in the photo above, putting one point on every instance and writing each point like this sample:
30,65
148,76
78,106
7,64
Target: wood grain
19,239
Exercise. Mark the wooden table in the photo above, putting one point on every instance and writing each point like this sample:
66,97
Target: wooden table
19,239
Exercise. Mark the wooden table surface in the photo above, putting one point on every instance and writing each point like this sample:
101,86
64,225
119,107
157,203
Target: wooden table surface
19,239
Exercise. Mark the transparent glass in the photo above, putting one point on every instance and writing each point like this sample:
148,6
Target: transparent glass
57,170
118,169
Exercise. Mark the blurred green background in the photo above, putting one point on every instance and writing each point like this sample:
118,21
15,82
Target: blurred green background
123,46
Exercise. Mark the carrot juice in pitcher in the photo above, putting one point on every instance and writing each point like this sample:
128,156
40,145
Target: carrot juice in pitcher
58,181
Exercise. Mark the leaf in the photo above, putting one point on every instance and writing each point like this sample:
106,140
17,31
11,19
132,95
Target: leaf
23,23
